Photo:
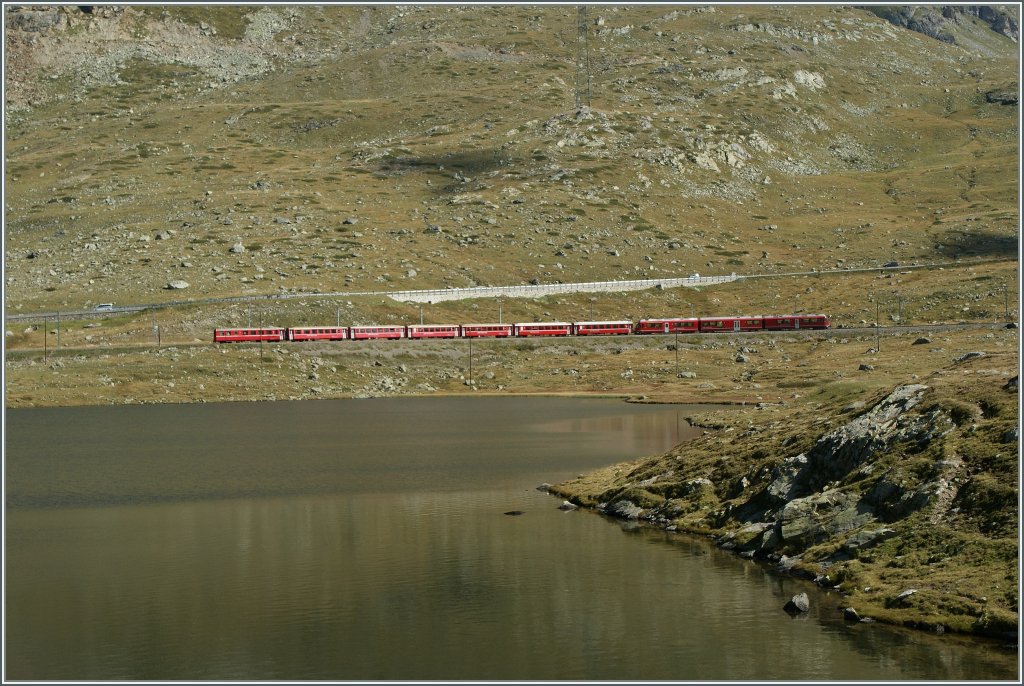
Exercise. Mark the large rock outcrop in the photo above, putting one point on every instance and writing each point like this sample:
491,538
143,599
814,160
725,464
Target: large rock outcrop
946,22
805,502
847,481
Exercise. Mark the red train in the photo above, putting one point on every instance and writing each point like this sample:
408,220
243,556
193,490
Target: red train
786,322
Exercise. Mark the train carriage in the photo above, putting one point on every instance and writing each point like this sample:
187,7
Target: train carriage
621,328
242,335
677,325
527,329
792,322
730,324
486,330
376,332
317,333
433,331
814,321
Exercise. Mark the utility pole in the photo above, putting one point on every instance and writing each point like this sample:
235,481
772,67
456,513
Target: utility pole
677,353
582,59
339,315
58,329
46,325
499,312
878,325
471,362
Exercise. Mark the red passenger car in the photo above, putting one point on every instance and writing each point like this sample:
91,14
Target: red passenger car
649,326
270,333
486,330
365,332
433,331
602,328
543,329
789,322
318,333
725,324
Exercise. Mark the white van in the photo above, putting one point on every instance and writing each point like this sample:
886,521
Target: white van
104,306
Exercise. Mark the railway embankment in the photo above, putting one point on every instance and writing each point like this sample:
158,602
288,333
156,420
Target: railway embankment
903,503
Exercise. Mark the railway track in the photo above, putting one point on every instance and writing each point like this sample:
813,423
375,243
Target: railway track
520,291
864,332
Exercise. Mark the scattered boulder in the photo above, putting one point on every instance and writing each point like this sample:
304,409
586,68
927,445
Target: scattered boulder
624,509
798,604
567,506
809,79
851,615
177,284
922,341
237,248
544,487
973,355
1002,97
867,539
866,368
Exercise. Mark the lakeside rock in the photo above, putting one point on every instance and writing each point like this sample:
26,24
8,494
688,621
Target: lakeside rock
852,497
798,604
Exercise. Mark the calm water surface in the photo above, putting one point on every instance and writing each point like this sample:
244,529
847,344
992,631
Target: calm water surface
365,539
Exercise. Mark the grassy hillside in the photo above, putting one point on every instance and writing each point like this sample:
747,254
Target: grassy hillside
144,143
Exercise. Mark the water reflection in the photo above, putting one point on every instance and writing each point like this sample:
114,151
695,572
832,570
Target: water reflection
301,564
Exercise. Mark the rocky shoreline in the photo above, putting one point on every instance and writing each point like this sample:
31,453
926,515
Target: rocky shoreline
893,487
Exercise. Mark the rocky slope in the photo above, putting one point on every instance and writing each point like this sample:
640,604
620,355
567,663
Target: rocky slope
966,25
369,148
906,505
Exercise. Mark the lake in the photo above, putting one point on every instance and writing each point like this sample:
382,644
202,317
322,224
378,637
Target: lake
367,540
